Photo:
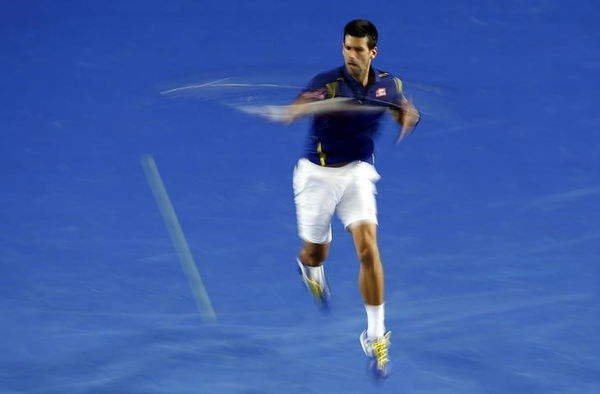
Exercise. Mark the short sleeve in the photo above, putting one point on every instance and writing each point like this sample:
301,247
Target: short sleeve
399,91
314,90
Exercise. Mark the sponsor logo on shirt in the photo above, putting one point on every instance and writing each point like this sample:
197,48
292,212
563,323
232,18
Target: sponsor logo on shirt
380,92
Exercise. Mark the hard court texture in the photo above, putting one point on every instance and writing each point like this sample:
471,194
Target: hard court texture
489,218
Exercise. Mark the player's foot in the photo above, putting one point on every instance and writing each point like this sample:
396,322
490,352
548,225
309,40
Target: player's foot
319,291
376,350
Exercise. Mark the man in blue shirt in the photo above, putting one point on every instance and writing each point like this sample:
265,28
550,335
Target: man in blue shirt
337,176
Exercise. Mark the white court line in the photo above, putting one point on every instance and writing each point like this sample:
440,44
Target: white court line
179,241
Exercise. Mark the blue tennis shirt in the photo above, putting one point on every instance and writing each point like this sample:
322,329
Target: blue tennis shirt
345,136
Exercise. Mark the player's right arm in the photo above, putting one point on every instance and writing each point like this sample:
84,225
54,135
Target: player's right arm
297,109
313,92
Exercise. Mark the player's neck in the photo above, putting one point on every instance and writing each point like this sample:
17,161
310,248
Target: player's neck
365,78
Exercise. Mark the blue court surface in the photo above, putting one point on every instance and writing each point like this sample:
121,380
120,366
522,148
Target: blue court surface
489,213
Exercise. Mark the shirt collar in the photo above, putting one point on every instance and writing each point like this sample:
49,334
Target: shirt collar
351,79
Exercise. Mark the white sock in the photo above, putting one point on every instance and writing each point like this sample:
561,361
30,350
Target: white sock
375,320
313,273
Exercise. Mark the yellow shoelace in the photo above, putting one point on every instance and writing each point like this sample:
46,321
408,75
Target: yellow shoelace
380,349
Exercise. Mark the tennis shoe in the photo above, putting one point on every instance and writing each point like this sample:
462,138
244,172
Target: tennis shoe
376,350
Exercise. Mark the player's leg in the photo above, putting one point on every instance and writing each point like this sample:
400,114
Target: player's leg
358,211
371,276
315,204
371,281
374,340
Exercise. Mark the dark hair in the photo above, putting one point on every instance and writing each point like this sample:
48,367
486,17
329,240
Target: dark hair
362,28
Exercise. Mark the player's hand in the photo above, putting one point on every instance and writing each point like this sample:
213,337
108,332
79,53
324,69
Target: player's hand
292,112
298,108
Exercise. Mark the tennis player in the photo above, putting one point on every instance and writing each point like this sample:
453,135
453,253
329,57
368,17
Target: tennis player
336,175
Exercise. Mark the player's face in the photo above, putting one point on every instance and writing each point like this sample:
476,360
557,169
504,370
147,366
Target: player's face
357,55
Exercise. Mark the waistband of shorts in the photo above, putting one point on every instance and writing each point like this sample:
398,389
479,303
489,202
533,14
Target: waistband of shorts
351,164
370,159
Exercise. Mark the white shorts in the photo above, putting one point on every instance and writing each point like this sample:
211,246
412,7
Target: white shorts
319,192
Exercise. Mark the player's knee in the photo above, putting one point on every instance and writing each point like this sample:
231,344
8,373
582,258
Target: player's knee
313,255
368,254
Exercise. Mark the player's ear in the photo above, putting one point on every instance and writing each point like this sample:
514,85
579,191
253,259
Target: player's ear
373,52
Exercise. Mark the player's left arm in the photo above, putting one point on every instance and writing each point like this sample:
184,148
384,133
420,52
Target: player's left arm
407,115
